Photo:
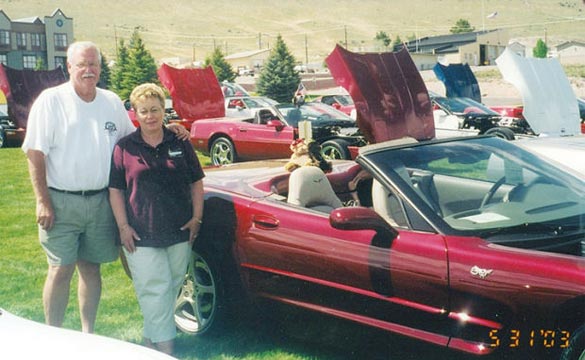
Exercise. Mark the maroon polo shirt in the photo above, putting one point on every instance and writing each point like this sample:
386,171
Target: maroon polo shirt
156,183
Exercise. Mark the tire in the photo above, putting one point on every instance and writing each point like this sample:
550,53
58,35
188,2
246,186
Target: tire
200,307
2,137
501,132
335,149
222,152
576,348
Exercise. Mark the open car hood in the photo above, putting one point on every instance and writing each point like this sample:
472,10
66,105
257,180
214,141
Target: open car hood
22,87
459,80
550,105
196,93
390,96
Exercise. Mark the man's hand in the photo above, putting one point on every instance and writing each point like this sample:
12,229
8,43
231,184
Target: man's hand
45,215
179,131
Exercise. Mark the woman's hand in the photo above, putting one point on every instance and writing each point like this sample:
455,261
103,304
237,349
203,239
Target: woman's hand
194,224
128,235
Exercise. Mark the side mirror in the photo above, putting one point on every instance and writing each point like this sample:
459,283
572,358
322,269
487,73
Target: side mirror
362,218
275,123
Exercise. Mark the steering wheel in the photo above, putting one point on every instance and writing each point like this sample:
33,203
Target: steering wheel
490,194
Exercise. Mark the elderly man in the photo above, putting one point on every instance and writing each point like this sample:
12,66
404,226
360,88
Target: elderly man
71,133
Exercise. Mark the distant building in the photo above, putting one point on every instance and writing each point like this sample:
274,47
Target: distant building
517,48
569,52
474,48
248,60
25,42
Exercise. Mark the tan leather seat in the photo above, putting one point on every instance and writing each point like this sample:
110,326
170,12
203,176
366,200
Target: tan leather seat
309,187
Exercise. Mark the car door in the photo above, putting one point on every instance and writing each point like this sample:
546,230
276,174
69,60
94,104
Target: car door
263,141
294,255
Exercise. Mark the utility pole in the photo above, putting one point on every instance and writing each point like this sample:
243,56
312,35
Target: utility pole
345,32
116,41
306,52
483,15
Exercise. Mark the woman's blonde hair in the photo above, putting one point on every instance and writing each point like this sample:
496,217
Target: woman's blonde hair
148,90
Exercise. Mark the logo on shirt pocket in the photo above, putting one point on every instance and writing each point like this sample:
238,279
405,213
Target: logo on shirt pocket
110,128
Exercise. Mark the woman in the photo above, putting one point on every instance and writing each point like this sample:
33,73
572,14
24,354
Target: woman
156,193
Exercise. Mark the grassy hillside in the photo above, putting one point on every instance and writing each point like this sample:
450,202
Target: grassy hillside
310,28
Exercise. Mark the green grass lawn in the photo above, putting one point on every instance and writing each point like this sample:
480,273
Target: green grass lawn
23,270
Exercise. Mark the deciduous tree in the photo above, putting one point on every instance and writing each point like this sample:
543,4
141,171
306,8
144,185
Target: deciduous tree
462,26
540,50
384,38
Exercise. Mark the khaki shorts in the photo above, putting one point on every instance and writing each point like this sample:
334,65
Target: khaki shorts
84,229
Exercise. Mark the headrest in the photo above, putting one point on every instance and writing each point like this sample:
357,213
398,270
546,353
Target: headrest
309,187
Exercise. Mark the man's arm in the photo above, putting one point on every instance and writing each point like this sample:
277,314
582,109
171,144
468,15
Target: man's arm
38,177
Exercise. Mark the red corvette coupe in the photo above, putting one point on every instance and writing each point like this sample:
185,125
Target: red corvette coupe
471,243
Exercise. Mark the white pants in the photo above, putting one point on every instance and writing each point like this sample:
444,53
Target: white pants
157,275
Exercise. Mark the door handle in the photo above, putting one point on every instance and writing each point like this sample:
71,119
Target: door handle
265,222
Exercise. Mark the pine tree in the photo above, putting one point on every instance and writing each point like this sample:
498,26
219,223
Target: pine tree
223,70
134,66
120,70
278,79
141,65
104,82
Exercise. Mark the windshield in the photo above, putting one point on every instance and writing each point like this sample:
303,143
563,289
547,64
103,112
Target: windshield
315,112
254,103
462,105
481,184
344,100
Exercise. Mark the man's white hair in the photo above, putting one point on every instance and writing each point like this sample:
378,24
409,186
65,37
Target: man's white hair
82,45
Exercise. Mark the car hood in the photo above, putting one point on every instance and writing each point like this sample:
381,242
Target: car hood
459,80
22,87
196,93
550,105
390,96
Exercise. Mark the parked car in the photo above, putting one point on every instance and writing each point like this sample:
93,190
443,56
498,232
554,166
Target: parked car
559,119
269,134
465,116
230,89
516,112
26,339
343,103
9,132
455,251
246,106
470,243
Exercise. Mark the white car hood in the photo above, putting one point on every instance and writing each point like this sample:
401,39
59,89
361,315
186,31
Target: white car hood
26,339
550,105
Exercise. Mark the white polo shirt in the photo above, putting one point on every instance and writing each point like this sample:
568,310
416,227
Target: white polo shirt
76,137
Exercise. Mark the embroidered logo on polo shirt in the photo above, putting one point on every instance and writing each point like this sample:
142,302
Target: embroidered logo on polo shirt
110,127
175,153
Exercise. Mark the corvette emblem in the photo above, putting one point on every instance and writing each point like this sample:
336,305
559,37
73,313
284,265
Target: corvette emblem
482,273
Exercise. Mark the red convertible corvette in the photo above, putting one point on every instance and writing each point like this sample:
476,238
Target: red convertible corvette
473,243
